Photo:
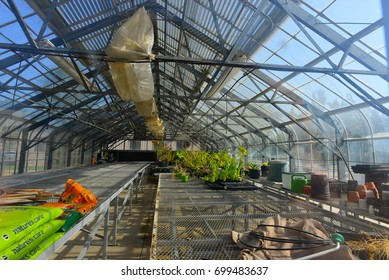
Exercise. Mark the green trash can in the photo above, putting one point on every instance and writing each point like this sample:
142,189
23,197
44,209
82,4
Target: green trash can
276,167
298,183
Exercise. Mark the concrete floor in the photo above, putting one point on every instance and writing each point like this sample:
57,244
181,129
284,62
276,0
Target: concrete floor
134,232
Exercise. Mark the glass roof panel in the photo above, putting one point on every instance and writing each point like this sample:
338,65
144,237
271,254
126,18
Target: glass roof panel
373,85
189,30
353,22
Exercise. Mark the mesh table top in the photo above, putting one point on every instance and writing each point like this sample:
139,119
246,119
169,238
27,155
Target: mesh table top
194,222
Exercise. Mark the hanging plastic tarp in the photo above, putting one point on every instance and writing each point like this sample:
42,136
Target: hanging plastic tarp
133,40
155,121
67,66
146,108
155,129
159,134
155,126
134,81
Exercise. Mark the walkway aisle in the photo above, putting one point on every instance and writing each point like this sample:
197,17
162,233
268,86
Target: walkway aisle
134,232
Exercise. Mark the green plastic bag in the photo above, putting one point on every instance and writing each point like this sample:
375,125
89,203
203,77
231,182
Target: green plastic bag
18,221
70,218
23,246
34,253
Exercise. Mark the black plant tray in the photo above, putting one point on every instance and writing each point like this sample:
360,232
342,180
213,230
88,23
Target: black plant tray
231,186
365,168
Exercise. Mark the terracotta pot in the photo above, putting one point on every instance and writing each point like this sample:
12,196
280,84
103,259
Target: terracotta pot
361,189
370,194
307,190
371,186
353,196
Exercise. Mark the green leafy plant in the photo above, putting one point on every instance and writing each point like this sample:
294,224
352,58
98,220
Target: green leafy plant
213,174
212,167
164,153
242,152
229,168
253,166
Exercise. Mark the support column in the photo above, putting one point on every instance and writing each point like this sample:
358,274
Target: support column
385,14
292,146
69,154
23,152
50,153
82,159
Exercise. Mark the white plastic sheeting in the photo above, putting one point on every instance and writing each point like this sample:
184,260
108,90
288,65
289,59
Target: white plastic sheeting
134,81
155,126
133,40
147,108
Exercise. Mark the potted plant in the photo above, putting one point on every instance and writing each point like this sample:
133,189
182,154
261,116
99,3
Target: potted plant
212,173
164,154
265,169
225,168
254,171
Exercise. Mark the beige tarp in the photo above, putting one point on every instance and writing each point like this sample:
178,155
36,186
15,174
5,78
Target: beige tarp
134,81
275,239
133,40
147,108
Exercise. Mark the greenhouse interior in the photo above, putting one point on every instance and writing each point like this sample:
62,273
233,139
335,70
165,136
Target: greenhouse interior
194,129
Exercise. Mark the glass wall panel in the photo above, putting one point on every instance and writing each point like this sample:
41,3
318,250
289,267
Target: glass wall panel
381,148
275,152
59,158
355,124
302,157
360,152
378,121
9,157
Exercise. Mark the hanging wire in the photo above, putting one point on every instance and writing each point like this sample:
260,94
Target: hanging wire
314,243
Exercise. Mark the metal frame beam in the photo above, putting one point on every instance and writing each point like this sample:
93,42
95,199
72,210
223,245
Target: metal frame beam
101,56
334,37
21,22
385,12
47,19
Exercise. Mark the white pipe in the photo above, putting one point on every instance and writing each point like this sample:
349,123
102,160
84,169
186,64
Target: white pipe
319,254
228,74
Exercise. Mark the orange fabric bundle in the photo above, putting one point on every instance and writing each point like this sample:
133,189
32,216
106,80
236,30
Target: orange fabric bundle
59,205
83,208
86,208
75,193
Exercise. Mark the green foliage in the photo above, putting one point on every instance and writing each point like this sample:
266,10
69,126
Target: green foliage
225,167
164,152
211,166
213,174
253,166
242,153
234,171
